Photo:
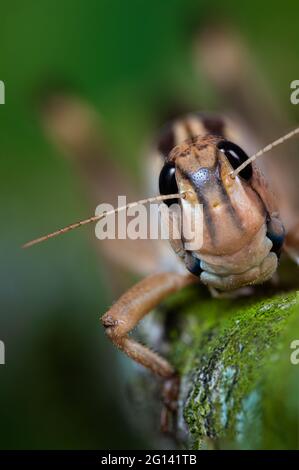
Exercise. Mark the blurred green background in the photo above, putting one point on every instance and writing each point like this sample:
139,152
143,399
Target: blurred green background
64,385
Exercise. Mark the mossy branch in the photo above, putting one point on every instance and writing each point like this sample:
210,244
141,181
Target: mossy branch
239,388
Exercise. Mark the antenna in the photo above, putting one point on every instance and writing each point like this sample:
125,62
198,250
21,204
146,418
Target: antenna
95,218
268,147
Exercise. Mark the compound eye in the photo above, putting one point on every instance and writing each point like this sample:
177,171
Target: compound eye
193,264
167,182
276,233
236,156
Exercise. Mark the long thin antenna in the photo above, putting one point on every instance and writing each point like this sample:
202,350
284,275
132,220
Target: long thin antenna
264,150
95,218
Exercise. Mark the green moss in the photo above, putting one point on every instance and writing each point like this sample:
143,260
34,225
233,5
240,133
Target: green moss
228,353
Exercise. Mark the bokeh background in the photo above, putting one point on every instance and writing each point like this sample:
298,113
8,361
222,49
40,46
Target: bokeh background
64,385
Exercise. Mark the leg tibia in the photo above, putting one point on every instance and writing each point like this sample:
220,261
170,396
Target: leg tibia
132,307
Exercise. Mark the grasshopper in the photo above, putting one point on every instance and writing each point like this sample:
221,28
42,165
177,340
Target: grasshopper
200,158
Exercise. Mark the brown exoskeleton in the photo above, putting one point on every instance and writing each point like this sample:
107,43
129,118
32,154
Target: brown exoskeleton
197,159
243,234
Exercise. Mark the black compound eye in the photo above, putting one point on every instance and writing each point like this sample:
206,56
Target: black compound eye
193,264
167,182
276,233
236,156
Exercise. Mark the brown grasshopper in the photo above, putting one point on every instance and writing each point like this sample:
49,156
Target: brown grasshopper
198,159
243,234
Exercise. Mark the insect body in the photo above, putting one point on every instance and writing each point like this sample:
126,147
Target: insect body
242,232
236,250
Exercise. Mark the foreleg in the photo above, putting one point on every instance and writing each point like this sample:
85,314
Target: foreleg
124,315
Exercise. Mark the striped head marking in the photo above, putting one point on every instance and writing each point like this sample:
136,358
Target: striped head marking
234,212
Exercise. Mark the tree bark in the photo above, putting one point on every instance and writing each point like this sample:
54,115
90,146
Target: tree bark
239,387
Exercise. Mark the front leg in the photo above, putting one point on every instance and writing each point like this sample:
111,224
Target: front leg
124,315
